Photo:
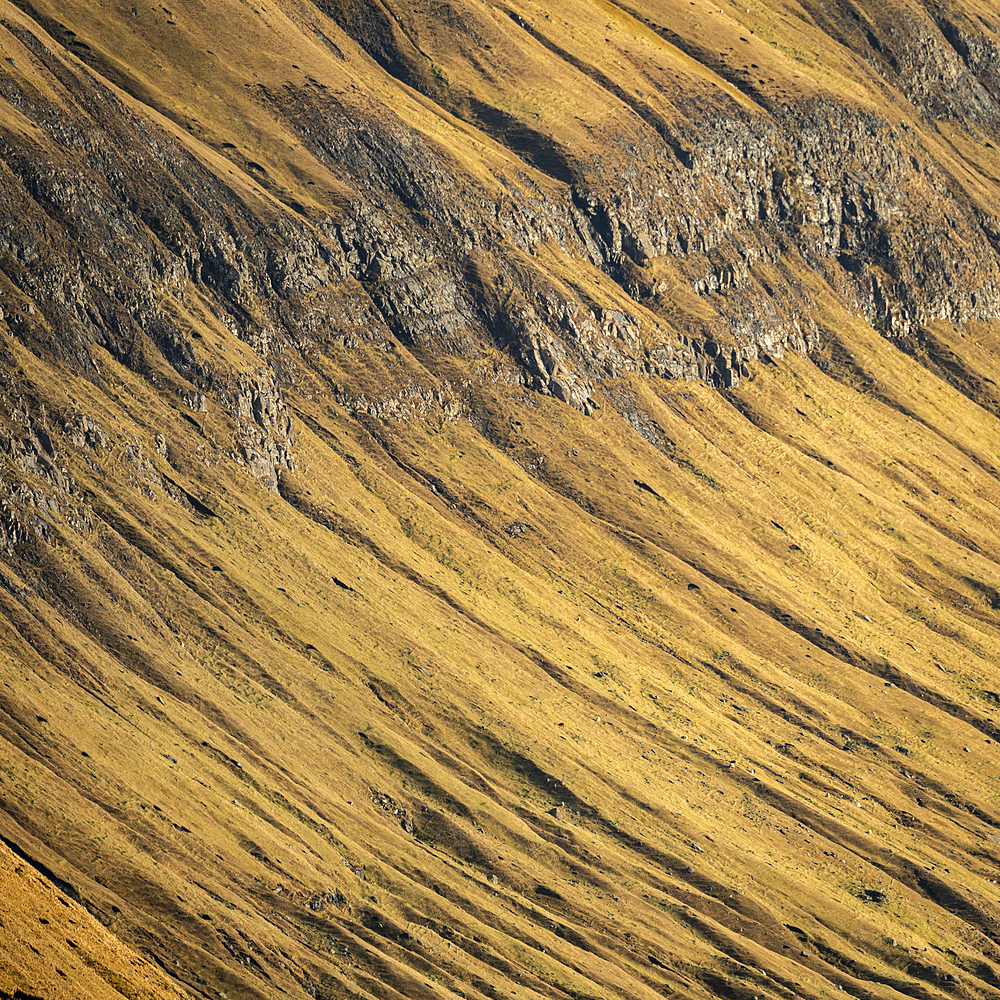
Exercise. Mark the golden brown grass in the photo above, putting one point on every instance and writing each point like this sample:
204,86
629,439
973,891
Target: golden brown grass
752,667
479,680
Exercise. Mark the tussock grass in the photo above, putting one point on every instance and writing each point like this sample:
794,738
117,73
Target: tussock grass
518,700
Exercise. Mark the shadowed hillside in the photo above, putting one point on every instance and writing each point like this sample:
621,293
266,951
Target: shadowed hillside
499,499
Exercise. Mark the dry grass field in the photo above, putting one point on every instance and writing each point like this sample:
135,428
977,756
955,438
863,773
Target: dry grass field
687,691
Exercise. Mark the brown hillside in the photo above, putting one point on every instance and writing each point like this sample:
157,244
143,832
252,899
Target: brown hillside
499,499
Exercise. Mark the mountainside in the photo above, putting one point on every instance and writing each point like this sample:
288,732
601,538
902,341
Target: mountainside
499,499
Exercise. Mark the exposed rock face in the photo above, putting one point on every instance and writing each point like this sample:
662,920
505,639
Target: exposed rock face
263,425
739,209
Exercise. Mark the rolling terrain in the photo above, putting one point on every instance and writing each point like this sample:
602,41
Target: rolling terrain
499,499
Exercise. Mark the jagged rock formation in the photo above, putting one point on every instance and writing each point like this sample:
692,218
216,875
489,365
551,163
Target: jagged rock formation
737,201
463,464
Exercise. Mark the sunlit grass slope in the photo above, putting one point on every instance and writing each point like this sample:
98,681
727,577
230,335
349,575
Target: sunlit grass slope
694,696
54,944
650,717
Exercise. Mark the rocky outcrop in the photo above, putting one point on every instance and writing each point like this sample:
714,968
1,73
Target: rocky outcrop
445,263
264,428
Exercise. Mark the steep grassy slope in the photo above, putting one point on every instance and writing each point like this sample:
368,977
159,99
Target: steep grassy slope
499,500
54,944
